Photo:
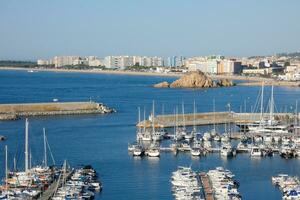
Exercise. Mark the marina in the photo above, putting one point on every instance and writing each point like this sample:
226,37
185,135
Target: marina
45,181
102,140
261,134
216,184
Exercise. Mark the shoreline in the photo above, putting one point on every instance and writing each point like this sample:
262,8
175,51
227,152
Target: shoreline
89,71
249,81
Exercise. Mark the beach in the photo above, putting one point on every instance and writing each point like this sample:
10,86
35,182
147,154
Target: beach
248,81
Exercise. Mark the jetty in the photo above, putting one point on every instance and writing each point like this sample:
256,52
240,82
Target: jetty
15,111
208,191
208,118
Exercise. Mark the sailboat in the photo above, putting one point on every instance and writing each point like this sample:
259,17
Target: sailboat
156,135
193,133
271,125
178,134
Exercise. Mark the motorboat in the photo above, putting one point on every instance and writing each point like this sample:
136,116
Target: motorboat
195,151
153,151
207,136
226,150
217,138
255,151
225,138
138,151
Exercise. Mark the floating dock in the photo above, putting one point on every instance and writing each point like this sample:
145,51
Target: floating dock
208,191
15,111
199,119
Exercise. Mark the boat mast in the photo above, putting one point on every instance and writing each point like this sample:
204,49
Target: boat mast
30,159
6,168
15,164
176,118
272,105
296,111
262,102
153,116
194,115
183,117
139,113
214,110
144,119
45,148
26,146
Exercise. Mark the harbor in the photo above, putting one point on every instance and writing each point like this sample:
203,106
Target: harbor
259,134
101,140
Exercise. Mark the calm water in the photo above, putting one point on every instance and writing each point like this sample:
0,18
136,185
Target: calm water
102,140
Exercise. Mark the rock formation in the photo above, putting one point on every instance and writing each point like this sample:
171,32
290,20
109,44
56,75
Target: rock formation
196,79
164,84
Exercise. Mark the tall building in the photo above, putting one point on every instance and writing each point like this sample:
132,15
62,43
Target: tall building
214,65
125,61
175,61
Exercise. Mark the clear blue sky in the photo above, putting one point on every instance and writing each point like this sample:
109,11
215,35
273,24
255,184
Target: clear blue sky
31,29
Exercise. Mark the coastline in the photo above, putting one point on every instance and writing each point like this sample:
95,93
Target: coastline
88,71
249,81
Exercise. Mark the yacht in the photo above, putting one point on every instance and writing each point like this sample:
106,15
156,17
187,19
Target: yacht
226,150
225,138
207,136
153,151
138,151
255,151
217,138
195,152
287,151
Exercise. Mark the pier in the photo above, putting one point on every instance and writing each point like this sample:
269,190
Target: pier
15,111
208,191
208,118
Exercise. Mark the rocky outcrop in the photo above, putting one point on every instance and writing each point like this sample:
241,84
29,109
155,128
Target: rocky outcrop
196,79
193,80
225,83
164,84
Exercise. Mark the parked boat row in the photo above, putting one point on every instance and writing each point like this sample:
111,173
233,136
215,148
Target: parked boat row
186,184
79,184
223,184
290,186
137,149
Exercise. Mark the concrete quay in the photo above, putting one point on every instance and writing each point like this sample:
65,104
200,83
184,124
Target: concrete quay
15,111
199,119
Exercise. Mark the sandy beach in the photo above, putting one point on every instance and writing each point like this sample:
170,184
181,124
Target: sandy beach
249,81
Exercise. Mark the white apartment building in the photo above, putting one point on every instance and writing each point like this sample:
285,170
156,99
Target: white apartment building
60,61
125,61
214,65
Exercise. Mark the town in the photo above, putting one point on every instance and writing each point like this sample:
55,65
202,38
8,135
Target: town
285,66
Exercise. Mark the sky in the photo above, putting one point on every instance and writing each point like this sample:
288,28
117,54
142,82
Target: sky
35,29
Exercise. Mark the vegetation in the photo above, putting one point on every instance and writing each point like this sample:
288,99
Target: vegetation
13,63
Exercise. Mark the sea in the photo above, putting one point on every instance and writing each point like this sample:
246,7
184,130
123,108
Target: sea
102,140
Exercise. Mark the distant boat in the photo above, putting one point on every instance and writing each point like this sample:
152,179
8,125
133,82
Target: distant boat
55,100
30,71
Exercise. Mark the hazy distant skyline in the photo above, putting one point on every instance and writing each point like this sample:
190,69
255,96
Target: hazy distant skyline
35,29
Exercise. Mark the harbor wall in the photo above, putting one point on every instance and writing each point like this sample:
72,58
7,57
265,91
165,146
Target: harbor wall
14,111
210,118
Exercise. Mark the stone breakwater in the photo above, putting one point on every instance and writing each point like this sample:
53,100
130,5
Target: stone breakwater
15,111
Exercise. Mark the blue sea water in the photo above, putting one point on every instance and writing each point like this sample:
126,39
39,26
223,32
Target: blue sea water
101,140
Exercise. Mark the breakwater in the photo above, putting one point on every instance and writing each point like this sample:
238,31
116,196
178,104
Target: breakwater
15,111
198,119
